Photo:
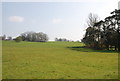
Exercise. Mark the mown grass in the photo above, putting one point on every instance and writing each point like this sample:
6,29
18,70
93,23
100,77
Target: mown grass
56,60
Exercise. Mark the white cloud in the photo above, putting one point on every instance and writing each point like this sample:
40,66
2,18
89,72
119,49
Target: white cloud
57,21
16,19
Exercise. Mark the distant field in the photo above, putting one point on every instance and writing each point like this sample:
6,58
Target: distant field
56,60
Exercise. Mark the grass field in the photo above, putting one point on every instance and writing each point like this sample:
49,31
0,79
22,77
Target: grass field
56,60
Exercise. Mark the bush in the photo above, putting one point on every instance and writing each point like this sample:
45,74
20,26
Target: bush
18,39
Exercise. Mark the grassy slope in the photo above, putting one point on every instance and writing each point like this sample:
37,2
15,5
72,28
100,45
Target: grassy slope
53,60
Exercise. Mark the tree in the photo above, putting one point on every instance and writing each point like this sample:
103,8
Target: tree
34,37
4,37
92,19
56,39
104,34
116,16
90,35
61,39
9,38
18,39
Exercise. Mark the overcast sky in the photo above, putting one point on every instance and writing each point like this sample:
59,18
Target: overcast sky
62,19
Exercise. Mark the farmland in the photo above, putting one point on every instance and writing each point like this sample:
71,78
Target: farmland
56,60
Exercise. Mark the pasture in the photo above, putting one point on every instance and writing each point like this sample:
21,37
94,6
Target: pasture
56,60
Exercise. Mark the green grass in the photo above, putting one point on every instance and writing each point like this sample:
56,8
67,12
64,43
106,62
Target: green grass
56,60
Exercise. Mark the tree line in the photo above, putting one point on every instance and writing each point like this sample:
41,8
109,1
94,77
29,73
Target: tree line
5,38
34,37
103,34
28,36
64,40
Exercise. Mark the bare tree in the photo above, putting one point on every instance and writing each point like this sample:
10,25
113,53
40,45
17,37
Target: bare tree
92,19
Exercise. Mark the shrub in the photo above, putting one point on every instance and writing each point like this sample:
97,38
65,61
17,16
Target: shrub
18,39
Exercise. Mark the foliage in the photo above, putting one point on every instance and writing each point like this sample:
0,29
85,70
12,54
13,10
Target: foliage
104,34
34,37
18,39
61,39
4,37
